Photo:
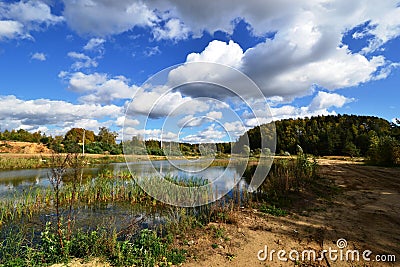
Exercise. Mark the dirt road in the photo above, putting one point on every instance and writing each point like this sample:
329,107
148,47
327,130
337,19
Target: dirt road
365,212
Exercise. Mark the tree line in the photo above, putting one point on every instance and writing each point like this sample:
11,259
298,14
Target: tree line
71,142
350,135
347,135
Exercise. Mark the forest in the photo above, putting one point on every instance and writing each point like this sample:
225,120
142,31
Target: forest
347,135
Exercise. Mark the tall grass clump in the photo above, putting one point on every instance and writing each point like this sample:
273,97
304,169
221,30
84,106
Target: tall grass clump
289,175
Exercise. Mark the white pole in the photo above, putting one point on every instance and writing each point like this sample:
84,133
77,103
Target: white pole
83,143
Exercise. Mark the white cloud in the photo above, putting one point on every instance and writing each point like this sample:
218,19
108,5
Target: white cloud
209,135
116,16
126,122
385,28
319,105
94,43
98,87
19,18
159,102
39,56
325,100
235,129
214,115
16,113
10,29
82,61
287,66
152,51
173,29
29,12
147,134
230,54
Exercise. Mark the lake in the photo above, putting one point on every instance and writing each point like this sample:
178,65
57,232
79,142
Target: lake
13,182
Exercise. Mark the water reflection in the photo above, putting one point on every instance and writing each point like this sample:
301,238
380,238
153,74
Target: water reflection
14,181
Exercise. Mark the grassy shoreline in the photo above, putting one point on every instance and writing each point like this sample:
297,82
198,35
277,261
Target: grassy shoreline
59,242
15,161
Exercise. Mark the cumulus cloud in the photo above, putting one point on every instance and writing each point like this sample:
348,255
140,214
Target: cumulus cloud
39,56
116,16
192,121
286,70
321,104
230,54
214,115
82,61
160,102
123,121
19,18
29,12
99,87
325,100
10,29
16,113
212,134
235,129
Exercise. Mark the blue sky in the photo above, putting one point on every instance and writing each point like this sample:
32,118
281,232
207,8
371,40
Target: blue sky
67,64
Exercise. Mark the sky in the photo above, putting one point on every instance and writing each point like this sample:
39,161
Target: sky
194,71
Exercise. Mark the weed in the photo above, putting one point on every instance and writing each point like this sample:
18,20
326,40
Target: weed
275,211
219,232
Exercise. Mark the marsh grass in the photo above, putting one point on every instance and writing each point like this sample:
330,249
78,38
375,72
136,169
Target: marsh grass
289,175
134,246
10,163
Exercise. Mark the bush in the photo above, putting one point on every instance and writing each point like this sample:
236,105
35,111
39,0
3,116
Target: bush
384,151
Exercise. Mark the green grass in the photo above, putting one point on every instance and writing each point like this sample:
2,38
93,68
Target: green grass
146,249
11,163
34,162
273,210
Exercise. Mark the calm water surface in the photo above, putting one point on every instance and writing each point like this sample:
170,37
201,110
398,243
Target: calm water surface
13,182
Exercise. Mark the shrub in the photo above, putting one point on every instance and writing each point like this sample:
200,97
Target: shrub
384,151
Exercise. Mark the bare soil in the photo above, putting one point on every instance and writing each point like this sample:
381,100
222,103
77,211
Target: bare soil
362,205
23,148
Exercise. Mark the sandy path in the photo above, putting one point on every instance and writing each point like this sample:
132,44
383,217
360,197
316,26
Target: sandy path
366,212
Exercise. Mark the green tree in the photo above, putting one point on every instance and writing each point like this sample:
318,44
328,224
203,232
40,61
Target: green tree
385,151
351,149
106,136
76,135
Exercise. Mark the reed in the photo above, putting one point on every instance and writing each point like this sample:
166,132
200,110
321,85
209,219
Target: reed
9,163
